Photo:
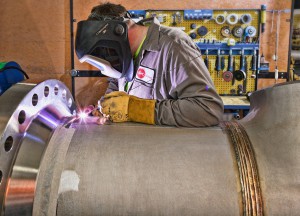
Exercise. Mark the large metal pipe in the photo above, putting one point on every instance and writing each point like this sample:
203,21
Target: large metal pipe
250,167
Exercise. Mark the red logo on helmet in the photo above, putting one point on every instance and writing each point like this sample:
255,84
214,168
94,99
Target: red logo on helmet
141,73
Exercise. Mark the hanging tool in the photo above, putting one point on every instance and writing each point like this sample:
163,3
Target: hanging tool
261,58
225,31
272,25
232,19
218,62
237,31
222,62
250,31
263,17
193,35
240,89
206,60
232,91
240,74
227,75
220,19
202,31
174,23
246,72
233,67
179,17
162,18
275,56
230,42
193,26
246,18
254,64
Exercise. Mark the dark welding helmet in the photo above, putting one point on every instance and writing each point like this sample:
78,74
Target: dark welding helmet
103,43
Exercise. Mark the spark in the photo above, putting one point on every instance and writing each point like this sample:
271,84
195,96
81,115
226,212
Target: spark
82,115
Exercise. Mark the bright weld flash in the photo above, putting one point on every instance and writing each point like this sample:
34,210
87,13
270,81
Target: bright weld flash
82,115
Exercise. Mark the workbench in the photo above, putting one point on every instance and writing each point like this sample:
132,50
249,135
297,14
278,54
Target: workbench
235,106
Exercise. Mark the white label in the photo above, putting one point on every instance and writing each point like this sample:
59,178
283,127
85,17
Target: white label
145,74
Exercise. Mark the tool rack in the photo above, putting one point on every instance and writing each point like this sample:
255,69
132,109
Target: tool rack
204,30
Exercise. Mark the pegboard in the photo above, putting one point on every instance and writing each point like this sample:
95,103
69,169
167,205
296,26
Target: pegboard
214,29
223,87
191,20
296,32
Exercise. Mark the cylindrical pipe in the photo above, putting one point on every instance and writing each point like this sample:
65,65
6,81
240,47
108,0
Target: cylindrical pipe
136,169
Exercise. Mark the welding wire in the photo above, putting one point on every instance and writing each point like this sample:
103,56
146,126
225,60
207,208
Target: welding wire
276,48
272,21
277,35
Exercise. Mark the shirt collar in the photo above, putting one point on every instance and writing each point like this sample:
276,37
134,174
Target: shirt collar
139,49
151,42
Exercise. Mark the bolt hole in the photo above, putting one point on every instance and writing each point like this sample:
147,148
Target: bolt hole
1,175
22,117
64,94
35,99
46,91
8,143
56,90
70,102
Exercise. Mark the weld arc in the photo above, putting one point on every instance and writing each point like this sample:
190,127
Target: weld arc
247,167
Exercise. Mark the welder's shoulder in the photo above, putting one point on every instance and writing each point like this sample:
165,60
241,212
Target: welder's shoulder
176,36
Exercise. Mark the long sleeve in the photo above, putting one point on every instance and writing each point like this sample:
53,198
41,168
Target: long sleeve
112,85
193,100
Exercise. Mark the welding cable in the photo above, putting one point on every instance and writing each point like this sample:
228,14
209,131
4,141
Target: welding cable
232,19
13,67
220,19
246,18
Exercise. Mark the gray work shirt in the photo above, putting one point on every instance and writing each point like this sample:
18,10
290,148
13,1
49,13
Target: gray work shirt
170,69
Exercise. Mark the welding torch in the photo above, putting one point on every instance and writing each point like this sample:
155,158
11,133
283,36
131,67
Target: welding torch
86,115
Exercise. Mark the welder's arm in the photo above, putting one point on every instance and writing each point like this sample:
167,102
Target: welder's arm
194,101
122,107
112,85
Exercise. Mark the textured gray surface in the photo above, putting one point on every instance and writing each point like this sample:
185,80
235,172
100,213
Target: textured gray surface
132,169
273,126
135,169
46,193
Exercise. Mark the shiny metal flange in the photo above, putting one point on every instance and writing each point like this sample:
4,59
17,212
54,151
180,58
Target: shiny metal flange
28,116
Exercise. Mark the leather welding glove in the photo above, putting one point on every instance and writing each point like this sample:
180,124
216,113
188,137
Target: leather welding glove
122,107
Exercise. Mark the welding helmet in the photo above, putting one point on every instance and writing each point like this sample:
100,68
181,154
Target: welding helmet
103,43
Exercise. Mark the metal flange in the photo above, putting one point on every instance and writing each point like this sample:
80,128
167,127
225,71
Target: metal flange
29,114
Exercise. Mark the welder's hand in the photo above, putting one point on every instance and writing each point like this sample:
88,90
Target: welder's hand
122,107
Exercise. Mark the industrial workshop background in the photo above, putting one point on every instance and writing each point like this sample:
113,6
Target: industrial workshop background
36,34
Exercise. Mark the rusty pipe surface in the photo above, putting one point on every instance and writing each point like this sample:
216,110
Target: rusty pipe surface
136,169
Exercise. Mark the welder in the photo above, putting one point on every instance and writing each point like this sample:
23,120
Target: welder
157,75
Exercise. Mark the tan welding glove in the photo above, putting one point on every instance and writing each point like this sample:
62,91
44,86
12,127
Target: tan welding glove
122,107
